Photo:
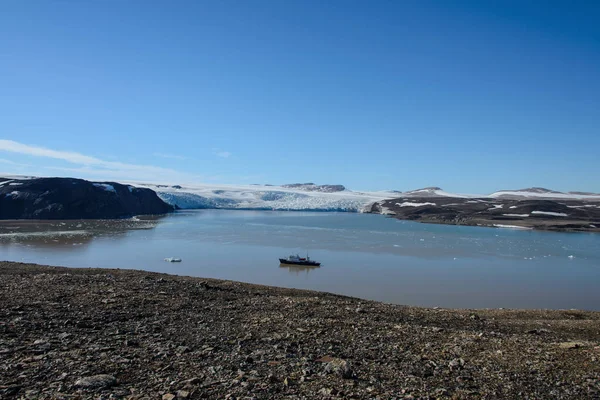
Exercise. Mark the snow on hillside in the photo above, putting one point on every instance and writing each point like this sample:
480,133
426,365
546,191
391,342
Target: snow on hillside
263,197
433,192
536,193
519,194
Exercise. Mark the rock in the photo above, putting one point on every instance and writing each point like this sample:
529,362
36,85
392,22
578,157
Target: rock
457,363
168,396
97,382
339,367
572,345
327,392
182,349
183,394
538,331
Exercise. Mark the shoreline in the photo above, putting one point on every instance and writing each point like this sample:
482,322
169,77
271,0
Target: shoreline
540,225
164,336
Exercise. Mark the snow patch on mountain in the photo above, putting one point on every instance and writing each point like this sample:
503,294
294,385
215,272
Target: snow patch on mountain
434,191
553,214
538,193
409,204
105,186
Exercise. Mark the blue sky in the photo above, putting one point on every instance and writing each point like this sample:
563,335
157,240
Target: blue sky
471,96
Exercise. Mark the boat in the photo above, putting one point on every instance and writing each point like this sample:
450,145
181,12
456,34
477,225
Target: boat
297,260
172,259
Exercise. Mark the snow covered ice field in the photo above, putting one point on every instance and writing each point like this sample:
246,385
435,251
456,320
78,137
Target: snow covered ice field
264,197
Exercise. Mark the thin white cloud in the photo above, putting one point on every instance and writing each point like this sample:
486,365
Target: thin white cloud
171,156
95,166
14,164
221,153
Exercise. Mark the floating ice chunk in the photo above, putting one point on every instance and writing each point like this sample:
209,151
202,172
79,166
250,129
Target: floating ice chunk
516,215
571,256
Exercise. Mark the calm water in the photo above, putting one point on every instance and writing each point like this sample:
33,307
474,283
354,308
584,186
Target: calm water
363,255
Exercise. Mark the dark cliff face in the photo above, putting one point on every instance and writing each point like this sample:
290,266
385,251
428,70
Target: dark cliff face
68,198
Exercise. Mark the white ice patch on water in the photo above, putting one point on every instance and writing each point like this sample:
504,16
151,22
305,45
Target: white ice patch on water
15,184
409,204
106,186
554,214
14,193
516,215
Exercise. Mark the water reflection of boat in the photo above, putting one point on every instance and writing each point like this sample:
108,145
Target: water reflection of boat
296,269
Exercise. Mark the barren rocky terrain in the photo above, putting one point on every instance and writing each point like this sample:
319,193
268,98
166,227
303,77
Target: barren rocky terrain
570,215
124,334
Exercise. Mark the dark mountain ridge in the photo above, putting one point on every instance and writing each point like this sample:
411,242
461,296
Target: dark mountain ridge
69,198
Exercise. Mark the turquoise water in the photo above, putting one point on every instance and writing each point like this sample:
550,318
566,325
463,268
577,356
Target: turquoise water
368,256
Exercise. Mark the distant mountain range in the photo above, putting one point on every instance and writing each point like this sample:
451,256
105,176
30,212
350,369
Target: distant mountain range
533,192
533,207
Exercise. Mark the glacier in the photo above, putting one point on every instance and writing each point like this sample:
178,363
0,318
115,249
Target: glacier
264,197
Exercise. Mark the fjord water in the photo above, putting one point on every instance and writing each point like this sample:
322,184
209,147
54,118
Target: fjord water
362,255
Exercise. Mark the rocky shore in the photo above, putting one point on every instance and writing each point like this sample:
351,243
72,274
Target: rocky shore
104,334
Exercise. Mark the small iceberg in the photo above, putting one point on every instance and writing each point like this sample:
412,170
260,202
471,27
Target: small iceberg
172,259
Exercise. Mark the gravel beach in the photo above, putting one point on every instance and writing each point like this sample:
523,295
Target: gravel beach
101,334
